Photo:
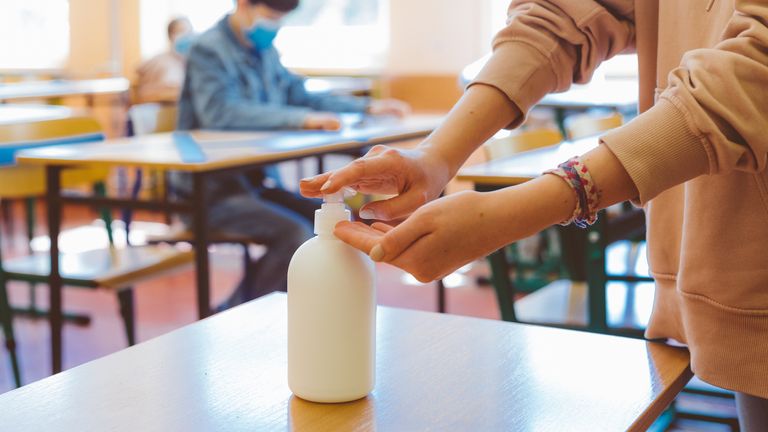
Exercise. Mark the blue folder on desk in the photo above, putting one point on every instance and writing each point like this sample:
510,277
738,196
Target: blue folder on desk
8,150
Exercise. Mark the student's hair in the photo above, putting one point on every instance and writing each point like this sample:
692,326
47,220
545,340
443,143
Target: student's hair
175,23
278,5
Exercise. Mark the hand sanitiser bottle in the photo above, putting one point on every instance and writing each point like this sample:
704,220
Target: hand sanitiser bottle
331,314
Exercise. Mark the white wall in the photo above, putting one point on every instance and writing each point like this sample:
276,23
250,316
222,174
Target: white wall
441,36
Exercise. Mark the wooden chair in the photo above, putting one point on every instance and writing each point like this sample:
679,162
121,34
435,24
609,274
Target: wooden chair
584,125
157,118
110,268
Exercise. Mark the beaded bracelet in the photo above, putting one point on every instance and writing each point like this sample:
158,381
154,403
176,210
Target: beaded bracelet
576,175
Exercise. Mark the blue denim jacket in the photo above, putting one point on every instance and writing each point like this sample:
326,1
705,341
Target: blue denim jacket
229,86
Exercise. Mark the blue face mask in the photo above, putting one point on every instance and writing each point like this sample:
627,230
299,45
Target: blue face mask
183,44
262,34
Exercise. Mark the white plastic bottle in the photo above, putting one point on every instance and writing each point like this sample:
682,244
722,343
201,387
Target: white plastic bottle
331,314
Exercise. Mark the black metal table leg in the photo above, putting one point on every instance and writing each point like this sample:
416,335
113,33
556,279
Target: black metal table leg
596,276
53,195
505,289
200,230
440,296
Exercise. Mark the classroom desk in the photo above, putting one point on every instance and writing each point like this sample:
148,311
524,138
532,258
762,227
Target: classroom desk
433,372
525,166
62,88
204,154
616,94
586,243
12,113
339,85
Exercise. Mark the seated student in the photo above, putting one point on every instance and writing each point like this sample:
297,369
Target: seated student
161,77
235,81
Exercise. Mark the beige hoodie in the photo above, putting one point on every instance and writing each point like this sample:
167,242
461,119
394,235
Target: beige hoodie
697,156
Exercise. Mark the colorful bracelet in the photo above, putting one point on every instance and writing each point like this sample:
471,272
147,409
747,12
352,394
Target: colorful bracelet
577,176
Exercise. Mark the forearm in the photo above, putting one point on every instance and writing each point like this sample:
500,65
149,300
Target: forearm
478,115
532,206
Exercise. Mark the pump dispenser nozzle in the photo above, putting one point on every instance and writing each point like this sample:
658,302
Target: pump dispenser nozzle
330,213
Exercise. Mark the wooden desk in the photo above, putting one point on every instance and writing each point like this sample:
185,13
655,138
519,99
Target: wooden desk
204,154
434,372
339,85
27,113
525,166
617,94
62,88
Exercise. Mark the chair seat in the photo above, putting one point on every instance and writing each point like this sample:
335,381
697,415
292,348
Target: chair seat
565,302
108,268
185,235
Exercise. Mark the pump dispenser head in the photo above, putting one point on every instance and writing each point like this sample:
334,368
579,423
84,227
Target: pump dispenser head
330,213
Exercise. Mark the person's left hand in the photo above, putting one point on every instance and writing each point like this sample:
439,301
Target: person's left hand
389,107
437,238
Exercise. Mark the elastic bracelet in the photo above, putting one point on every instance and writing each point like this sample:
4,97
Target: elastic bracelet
577,176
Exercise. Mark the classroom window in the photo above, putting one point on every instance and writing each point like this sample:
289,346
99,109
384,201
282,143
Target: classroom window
320,35
339,35
35,34
155,15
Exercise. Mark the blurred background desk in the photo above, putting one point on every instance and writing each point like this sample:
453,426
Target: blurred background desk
203,154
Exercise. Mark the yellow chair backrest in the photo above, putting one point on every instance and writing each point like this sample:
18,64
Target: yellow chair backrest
28,132
584,125
152,118
19,181
520,142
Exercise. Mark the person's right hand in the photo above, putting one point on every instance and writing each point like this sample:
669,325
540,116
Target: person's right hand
416,176
322,121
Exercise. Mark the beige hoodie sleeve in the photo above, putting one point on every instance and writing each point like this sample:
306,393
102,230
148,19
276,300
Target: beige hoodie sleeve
711,119
549,44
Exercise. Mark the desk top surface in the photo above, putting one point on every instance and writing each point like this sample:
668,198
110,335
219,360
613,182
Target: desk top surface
434,372
208,150
13,113
621,94
60,88
525,166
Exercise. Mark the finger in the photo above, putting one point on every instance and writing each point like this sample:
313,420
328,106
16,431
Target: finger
358,235
380,226
356,171
375,150
394,208
398,240
310,187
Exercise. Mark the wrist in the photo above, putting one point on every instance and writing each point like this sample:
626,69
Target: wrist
533,206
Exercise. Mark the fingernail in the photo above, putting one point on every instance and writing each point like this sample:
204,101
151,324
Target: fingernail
367,214
377,253
325,186
308,179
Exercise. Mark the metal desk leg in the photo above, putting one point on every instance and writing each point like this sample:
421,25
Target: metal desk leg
505,291
440,296
200,231
596,276
53,198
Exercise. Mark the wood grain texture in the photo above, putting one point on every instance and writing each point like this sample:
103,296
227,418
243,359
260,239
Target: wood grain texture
525,166
434,372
